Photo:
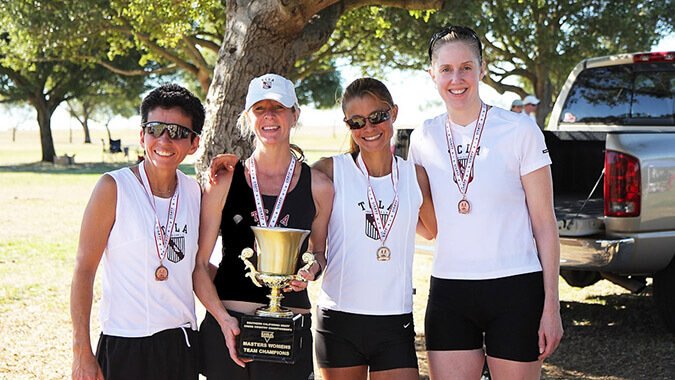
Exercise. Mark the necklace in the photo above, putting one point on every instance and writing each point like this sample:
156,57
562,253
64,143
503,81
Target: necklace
383,228
463,175
162,240
262,218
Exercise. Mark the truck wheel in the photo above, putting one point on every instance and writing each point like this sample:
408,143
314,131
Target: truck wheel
579,278
664,294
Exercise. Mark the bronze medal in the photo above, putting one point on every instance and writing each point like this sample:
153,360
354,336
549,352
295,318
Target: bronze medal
383,254
161,273
463,174
463,206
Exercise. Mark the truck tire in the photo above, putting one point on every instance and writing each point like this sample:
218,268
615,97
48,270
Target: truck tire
664,294
579,278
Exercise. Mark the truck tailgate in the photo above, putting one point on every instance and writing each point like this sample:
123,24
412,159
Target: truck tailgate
578,217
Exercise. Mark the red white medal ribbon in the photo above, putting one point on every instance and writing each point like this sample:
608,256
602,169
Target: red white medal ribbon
463,176
382,228
161,239
262,219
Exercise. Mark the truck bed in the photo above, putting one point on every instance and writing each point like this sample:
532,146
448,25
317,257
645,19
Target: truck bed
577,167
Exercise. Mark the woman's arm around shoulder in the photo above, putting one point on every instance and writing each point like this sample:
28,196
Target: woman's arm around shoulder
97,222
325,166
539,196
426,226
220,164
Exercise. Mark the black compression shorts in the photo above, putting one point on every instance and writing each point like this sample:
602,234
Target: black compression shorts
382,342
507,310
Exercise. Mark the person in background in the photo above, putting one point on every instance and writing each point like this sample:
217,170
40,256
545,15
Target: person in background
494,283
365,322
530,103
272,188
517,106
143,223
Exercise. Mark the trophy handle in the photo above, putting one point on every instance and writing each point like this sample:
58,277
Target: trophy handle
309,259
253,274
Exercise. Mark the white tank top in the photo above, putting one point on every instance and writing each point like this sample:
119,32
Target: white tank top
134,304
354,280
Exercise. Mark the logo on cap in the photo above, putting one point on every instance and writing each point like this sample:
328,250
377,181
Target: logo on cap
267,83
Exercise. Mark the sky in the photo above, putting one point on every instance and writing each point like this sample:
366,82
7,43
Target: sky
413,92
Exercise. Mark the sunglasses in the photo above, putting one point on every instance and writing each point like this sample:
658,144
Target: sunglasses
460,31
176,131
377,117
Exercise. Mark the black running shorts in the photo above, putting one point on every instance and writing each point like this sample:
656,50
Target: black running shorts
507,310
166,355
380,342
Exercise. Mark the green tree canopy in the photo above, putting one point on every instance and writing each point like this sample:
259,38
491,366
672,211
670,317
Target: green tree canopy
32,70
530,46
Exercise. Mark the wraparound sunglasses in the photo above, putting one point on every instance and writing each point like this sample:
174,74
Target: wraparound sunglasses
377,117
176,131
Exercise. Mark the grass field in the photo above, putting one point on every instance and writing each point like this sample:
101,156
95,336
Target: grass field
610,334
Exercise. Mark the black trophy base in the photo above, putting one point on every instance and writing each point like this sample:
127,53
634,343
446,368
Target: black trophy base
267,339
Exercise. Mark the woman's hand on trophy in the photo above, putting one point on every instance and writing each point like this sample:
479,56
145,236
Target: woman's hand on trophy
310,273
299,285
230,328
221,163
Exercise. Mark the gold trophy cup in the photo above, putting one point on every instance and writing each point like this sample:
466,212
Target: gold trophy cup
278,250
269,335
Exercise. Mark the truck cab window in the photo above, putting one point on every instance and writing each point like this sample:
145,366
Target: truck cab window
600,95
653,96
623,94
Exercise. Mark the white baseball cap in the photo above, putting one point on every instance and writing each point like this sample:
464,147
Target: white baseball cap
271,87
531,99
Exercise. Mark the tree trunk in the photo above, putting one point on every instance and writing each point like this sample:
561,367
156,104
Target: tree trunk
264,36
258,39
44,119
85,129
545,93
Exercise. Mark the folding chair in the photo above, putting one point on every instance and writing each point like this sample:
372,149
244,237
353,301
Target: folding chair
114,147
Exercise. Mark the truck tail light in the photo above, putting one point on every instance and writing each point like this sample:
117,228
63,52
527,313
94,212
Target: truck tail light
622,185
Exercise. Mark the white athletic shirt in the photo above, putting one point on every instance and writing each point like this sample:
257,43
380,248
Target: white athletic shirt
134,304
354,280
495,239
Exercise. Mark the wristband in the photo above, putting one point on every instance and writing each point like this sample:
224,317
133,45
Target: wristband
318,273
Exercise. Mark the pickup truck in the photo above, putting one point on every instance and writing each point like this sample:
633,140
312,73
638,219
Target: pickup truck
611,137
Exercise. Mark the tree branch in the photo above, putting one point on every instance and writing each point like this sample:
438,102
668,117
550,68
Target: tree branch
164,53
129,73
318,30
16,77
501,87
207,44
189,42
404,4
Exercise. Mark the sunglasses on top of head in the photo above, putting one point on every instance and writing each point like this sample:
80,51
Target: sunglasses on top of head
459,31
377,117
176,131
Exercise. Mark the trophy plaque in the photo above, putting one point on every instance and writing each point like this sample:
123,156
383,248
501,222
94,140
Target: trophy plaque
269,335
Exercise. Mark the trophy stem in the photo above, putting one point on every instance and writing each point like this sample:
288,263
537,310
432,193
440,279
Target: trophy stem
274,309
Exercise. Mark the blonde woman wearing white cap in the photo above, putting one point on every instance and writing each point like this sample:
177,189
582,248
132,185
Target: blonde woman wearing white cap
290,194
